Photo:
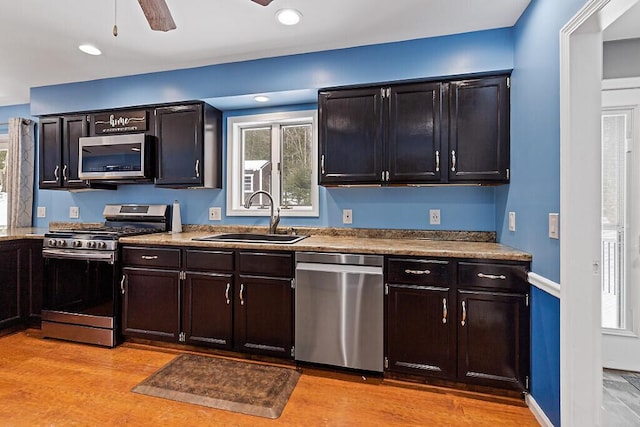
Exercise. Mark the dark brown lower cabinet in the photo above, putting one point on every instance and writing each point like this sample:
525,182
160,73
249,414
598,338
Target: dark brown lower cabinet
263,321
207,317
151,307
493,339
420,331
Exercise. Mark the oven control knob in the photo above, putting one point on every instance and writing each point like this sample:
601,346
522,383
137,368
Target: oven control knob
77,243
51,242
102,245
61,243
91,244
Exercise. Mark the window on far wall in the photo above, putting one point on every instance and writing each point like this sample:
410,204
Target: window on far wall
274,152
4,149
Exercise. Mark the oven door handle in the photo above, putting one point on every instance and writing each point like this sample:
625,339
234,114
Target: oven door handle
102,256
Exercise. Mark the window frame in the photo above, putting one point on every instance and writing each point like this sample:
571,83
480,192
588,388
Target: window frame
235,170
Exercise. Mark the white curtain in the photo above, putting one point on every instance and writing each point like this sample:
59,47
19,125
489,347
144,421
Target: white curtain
20,172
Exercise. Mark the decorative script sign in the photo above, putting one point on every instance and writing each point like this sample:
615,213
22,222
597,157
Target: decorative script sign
116,122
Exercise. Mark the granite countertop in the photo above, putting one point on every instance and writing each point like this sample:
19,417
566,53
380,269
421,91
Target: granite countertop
400,244
22,233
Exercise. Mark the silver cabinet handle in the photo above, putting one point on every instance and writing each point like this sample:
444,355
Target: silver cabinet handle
464,313
444,310
492,276
387,174
226,293
417,272
55,173
149,257
437,161
453,160
241,292
65,177
382,176
124,277
198,168
322,164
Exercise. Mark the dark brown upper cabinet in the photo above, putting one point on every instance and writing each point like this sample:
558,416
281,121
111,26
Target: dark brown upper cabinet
479,130
405,134
58,149
189,146
380,135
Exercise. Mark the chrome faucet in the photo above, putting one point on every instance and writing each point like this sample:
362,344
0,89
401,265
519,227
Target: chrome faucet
275,219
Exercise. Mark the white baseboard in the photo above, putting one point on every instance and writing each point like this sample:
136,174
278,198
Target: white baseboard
537,412
547,285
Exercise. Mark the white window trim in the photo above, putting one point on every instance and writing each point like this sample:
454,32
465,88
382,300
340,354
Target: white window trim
234,161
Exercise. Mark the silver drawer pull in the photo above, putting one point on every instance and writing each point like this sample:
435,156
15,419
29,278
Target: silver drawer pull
124,277
149,257
492,276
241,293
417,271
464,313
226,293
444,310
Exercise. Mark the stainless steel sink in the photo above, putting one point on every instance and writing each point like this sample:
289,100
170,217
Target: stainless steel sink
252,238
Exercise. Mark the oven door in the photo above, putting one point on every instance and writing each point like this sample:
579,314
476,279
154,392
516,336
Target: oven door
80,300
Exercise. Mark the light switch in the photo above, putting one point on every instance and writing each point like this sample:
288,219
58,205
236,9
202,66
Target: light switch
512,221
74,212
42,212
554,226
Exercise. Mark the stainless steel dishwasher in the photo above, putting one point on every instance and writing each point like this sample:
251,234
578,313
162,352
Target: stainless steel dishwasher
339,312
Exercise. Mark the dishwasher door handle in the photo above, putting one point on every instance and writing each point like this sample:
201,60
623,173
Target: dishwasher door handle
338,268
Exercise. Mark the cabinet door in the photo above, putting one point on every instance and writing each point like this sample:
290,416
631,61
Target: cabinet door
420,331
264,312
208,314
50,152
73,128
479,130
351,138
493,339
151,304
33,281
414,152
180,145
10,289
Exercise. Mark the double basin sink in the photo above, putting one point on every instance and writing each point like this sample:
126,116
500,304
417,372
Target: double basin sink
252,238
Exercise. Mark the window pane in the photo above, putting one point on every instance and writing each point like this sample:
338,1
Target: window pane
296,165
3,188
256,155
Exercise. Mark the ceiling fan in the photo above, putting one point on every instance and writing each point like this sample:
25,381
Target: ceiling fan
159,16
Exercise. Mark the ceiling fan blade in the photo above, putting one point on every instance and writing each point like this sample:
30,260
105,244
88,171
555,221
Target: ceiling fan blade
158,15
262,2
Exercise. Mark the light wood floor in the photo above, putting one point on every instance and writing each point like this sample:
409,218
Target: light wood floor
54,383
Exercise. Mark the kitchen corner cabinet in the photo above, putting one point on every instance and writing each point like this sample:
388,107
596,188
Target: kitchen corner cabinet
59,151
412,133
380,135
421,326
20,283
479,130
471,330
189,146
264,303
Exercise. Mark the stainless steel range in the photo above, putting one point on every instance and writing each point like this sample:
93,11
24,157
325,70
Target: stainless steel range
82,274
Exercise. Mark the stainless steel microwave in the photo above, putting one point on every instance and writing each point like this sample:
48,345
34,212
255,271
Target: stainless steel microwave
114,157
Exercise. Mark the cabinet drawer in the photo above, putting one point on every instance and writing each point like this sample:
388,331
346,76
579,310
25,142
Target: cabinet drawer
506,277
274,264
200,260
417,271
151,257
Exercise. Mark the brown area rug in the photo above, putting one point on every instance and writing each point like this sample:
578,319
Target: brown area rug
248,388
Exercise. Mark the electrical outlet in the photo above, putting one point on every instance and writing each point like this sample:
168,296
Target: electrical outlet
42,212
554,226
512,221
347,216
74,212
215,214
434,216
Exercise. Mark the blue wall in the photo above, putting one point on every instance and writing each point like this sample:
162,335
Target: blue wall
295,78
534,191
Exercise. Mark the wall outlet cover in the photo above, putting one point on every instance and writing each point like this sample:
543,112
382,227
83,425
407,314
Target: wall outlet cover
434,216
74,212
554,226
347,216
42,212
215,214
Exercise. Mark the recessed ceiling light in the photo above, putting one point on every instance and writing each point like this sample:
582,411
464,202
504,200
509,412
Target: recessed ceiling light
261,98
288,16
90,49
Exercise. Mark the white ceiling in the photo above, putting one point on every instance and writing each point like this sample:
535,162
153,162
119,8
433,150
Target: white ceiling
39,38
